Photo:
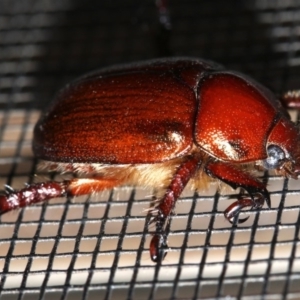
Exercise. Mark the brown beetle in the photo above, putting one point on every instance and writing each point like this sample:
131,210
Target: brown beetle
163,123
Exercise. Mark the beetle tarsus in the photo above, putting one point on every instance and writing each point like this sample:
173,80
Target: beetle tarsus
235,208
258,196
158,245
158,248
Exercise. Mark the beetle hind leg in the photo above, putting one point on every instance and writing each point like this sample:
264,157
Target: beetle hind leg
44,191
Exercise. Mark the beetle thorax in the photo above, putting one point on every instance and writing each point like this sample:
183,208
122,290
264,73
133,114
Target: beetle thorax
234,118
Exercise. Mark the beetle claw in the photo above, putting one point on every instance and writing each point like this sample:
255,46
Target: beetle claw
235,208
8,189
268,202
158,248
259,197
239,221
158,245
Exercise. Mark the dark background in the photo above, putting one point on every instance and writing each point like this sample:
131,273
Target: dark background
45,44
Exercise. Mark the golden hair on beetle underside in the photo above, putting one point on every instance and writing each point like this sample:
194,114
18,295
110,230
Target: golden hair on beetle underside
157,175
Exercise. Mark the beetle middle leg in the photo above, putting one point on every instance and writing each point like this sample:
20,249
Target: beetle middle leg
164,210
237,178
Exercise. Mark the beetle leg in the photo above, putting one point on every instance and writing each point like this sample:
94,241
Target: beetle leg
232,211
164,210
291,99
43,191
237,178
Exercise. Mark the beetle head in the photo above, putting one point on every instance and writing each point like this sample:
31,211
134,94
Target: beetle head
283,149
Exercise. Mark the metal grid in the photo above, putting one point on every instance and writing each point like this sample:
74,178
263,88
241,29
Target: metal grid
97,248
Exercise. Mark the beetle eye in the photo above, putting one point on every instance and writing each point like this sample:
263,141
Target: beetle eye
276,157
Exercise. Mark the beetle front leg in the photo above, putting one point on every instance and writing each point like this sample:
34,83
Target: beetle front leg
44,191
234,209
185,171
237,178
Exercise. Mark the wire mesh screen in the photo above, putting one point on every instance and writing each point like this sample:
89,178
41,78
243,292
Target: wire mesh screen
97,247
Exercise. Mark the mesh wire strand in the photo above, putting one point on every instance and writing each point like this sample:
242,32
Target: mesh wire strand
97,247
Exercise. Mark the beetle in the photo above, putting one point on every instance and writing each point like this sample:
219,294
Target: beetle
164,123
